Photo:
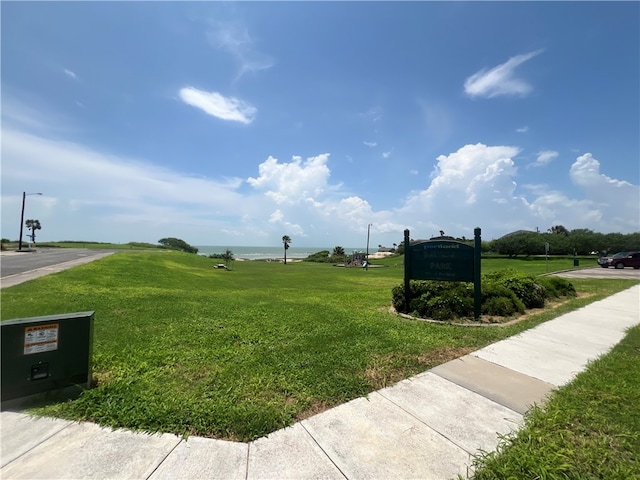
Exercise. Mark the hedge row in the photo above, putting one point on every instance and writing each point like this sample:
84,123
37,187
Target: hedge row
504,293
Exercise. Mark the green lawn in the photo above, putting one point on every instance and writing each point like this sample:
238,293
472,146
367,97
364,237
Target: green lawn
590,429
530,265
182,347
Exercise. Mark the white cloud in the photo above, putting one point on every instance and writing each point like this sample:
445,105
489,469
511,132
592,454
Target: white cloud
500,80
217,105
618,200
545,157
294,181
585,172
374,114
70,74
471,187
386,154
277,218
106,195
236,39
96,195
371,144
524,129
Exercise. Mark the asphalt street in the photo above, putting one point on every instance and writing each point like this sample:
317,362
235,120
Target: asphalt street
13,263
17,267
599,272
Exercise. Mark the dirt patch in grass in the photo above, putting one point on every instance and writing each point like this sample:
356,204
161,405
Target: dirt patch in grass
389,369
315,408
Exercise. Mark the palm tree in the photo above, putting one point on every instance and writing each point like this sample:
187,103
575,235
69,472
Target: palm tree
338,252
33,225
227,257
286,240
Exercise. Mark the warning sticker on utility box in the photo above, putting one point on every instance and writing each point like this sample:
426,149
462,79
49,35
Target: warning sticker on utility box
42,338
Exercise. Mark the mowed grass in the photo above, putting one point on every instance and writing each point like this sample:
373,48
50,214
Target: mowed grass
185,348
590,429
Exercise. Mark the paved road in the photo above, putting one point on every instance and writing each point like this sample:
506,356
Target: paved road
599,272
17,267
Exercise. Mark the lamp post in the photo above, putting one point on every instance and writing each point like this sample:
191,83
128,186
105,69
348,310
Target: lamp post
24,196
368,232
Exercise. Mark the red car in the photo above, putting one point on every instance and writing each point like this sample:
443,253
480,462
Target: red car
621,260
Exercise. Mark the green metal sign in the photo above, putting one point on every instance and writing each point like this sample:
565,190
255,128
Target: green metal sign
443,260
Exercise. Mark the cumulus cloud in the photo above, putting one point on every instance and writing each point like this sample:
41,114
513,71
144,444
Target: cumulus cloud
585,172
371,144
545,157
217,105
524,129
618,200
295,181
386,154
474,186
500,80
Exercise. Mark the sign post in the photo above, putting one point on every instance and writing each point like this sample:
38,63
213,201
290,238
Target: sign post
446,261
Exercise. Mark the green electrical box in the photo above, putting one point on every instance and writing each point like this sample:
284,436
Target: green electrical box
40,354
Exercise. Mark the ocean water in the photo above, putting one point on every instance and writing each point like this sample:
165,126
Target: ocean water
262,253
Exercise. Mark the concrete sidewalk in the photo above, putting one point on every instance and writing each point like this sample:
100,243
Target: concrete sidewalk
425,427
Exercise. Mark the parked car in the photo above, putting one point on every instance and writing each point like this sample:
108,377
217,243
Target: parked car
621,260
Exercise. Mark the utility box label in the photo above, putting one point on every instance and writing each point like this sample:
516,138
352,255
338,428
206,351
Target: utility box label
41,338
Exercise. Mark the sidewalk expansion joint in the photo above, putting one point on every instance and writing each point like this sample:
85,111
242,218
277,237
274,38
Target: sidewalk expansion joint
427,425
323,450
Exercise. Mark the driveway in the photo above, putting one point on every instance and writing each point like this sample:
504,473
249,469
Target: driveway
17,267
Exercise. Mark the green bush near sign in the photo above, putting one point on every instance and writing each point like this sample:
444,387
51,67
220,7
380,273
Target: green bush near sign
504,293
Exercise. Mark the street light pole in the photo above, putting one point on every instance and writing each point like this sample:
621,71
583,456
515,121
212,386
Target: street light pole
24,196
368,232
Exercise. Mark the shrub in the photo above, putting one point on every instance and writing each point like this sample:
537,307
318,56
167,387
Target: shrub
319,257
557,287
504,293
436,300
498,300
526,287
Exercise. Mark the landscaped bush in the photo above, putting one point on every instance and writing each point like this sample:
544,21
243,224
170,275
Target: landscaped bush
504,293
526,287
499,300
557,287
436,300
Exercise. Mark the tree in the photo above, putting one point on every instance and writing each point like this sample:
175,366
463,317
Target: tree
227,256
177,244
33,225
338,253
559,230
286,240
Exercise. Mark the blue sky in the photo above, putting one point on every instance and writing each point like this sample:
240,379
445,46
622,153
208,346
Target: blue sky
238,123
